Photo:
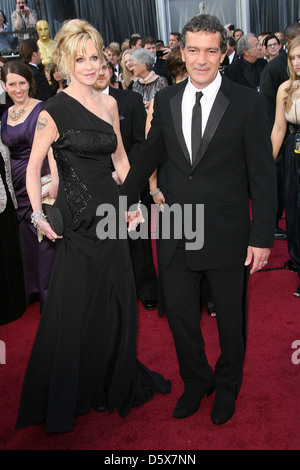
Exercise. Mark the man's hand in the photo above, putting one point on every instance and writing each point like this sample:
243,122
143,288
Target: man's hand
259,256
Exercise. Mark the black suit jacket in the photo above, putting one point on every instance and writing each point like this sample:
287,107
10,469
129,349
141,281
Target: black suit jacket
239,72
42,88
235,151
132,120
161,68
271,78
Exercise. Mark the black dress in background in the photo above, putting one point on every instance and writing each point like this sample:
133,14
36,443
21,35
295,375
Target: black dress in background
84,353
12,291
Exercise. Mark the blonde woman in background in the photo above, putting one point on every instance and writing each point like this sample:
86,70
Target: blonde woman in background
127,76
288,119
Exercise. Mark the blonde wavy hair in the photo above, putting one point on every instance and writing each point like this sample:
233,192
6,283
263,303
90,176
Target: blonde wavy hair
70,40
294,78
127,75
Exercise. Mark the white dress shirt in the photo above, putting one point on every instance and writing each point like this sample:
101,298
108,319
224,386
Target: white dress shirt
188,101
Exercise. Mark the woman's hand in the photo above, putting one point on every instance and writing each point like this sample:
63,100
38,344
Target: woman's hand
51,191
116,178
46,229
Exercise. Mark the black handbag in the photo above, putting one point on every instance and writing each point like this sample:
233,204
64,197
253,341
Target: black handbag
54,218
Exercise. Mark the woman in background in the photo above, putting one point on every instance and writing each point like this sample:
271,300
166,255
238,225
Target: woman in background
148,82
57,83
288,119
12,291
127,75
17,131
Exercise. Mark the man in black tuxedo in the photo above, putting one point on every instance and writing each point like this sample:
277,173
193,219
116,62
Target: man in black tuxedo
132,116
30,54
247,70
208,184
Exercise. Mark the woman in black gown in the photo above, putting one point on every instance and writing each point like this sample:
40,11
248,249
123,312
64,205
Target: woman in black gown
12,289
84,353
287,130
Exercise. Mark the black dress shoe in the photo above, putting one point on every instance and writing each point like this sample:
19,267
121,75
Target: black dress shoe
222,412
279,234
150,304
189,403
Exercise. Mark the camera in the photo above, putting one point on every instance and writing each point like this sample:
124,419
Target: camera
21,7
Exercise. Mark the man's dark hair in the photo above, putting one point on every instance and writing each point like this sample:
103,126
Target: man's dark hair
133,40
268,38
291,31
178,35
231,41
27,48
148,40
207,24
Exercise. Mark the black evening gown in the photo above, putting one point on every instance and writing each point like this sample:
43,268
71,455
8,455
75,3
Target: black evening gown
84,354
12,290
291,176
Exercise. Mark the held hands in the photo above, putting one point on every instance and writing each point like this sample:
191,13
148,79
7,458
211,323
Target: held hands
134,218
259,256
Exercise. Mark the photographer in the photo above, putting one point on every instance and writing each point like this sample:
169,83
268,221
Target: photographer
23,18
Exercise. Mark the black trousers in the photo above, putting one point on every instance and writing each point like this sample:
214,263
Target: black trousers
182,301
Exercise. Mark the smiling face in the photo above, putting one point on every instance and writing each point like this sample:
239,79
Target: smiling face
202,56
127,61
273,47
17,87
86,65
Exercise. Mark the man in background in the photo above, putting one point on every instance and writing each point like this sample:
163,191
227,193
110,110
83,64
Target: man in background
174,40
132,116
23,18
247,70
30,54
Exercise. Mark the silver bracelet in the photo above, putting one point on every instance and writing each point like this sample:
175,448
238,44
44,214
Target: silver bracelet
152,193
36,217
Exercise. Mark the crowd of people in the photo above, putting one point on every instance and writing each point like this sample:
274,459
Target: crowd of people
83,123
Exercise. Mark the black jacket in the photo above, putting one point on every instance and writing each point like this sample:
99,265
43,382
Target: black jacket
235,151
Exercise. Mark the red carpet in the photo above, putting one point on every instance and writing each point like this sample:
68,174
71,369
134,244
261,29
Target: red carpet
268,407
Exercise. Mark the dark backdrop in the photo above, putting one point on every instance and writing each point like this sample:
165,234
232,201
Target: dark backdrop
273,15
115,19
118,19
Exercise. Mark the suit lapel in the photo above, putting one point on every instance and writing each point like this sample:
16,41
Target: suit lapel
219,107
175,105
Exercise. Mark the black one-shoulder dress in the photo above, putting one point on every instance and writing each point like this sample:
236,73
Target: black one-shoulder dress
84,354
